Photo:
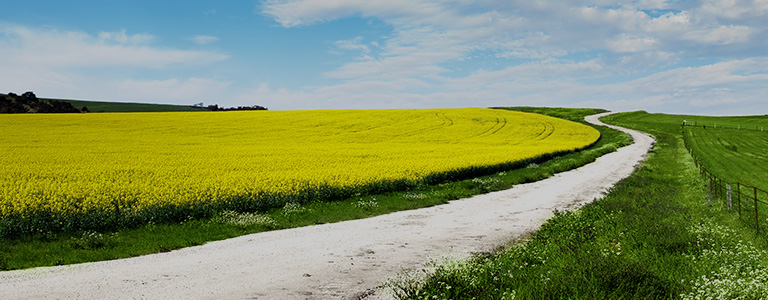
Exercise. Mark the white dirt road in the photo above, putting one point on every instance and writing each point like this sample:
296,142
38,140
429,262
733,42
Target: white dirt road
333,261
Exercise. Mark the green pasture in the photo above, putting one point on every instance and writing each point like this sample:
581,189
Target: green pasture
735,155
733,150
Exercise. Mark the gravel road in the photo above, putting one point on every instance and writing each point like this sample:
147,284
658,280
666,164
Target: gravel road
333,261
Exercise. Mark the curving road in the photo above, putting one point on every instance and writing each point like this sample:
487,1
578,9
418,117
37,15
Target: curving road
333,261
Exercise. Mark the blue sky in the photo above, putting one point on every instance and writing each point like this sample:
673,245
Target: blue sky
695,57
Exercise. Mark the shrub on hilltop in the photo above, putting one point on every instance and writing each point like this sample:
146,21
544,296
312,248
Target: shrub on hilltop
29,103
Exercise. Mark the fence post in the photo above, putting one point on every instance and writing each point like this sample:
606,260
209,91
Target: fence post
719,187
728,196
757,218
738,197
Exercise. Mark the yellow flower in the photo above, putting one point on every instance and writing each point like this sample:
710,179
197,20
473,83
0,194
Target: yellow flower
75,163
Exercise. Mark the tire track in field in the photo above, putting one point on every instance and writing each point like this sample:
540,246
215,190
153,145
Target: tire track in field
549,129
446,122
332,261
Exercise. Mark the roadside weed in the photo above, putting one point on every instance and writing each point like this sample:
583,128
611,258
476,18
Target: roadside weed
244,219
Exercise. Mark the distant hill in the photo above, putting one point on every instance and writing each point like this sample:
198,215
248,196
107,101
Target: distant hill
28,103
20,104
100,106
97,106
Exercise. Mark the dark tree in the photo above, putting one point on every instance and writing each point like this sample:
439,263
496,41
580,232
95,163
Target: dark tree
216,107
29,96
9,104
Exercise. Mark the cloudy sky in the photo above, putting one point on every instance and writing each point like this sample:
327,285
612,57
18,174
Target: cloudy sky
695,57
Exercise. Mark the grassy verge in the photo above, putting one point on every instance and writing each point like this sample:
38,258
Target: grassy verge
657,235
57,249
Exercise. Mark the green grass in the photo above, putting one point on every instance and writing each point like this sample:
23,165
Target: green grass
732,149
657,235
731,154
572,114
58,249
100,106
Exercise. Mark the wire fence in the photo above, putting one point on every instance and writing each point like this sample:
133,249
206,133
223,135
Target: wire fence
749,201
723,126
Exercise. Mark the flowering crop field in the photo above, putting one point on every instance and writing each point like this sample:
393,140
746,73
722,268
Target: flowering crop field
95,171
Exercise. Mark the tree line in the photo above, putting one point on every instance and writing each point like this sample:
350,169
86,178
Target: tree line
29,103
216,107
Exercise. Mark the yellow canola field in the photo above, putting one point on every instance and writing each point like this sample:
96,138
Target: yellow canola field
70,164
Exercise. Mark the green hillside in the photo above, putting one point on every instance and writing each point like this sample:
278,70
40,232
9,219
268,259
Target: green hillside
103,106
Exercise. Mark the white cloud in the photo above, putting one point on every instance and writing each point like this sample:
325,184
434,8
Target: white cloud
67,84
204,39
543,51
279,99
723,35
669,22
78,65
355,44
624,19
730,87
532,53
626,43
122,38
646,54
74,49
531,72
181,91
735,9
298,13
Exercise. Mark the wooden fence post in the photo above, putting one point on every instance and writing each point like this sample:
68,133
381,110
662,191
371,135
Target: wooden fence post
717,188
757,218
738,197
728,196
719,183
